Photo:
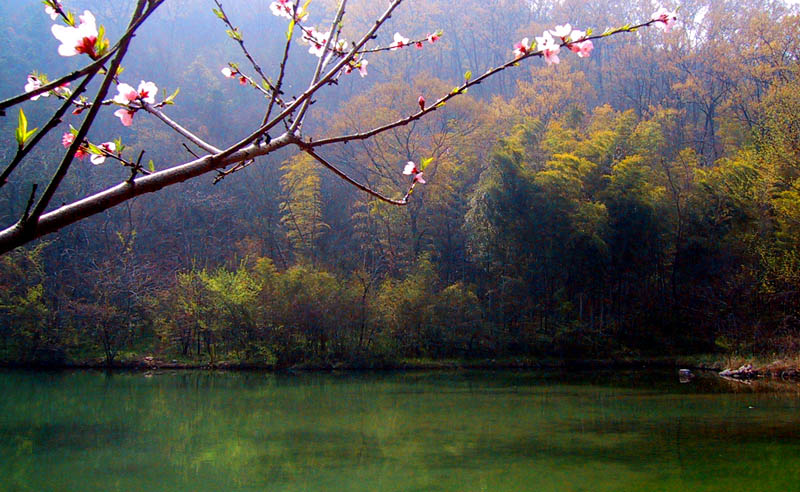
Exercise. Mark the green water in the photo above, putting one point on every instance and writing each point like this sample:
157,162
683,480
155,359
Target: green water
198,431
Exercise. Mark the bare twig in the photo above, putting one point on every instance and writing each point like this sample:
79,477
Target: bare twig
341,174
178,128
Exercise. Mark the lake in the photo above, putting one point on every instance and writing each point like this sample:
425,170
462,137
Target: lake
414,431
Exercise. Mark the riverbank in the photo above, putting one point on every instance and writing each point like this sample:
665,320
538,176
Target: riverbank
785,367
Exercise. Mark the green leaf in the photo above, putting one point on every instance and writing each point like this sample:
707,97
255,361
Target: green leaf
290,31
425,163
22,127
589,31
23,134
303,10
455,90
94,149
70,20
151,166
218,13
172,96
468,75
440,104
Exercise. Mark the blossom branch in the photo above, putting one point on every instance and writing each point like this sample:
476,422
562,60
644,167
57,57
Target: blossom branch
462,89
238,38
52,123
55,181
18,235
291,108
97,64
323,61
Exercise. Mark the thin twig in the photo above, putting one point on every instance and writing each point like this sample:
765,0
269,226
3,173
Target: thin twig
30,202
341,174
240,41
178,128
323,61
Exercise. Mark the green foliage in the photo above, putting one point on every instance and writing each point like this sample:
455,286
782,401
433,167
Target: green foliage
23,134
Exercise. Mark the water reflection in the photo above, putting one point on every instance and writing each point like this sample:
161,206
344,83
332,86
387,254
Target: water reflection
395,431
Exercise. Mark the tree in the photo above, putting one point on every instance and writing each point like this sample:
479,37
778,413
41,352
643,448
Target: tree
337,58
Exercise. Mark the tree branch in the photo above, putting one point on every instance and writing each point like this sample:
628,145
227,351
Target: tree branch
16,235
178,128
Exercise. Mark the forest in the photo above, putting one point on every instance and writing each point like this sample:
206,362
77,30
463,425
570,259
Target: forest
641,201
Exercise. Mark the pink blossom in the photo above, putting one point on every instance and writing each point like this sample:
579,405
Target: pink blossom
432,38
521,48
109,147
51,11
67,139
399,42
127,94
285,8
578,45
125,116
63,89
362,68
582,48
227,72
418,44
33,84
562,31
577,35
410,169
421,102
75,40
665,18
282,8
147,92
548,48
242,80
317,40
341,46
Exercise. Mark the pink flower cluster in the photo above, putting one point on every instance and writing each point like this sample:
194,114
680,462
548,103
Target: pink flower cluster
411,169
316,39
34,82
550,46
145,93
285,8
105,149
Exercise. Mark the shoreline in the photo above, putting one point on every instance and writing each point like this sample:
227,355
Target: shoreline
786,368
